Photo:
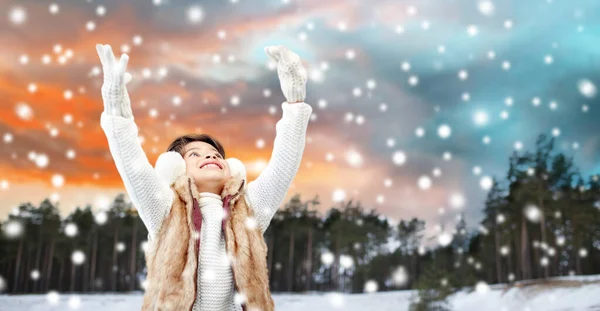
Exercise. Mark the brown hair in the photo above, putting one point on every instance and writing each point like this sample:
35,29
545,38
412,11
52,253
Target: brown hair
179,143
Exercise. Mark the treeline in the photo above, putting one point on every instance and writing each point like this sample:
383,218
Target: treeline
541,220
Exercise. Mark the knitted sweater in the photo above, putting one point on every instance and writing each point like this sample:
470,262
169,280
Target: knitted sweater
153,198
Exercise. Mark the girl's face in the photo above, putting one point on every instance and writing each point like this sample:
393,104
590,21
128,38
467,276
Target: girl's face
206,165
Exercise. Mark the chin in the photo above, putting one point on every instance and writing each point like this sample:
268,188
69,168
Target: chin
210,177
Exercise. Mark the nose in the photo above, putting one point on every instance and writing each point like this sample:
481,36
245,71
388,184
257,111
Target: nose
208,156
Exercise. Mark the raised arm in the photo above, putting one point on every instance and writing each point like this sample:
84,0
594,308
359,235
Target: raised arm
266,193
150,196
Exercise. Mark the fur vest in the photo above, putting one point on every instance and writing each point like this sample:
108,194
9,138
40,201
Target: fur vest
172,256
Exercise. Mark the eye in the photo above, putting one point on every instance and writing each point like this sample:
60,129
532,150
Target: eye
193,153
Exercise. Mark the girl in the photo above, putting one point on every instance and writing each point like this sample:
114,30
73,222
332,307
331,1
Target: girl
206,249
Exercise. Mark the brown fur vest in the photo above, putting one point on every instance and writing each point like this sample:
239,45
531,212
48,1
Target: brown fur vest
172,257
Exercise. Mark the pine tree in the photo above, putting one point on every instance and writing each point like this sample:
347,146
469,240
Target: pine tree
434,286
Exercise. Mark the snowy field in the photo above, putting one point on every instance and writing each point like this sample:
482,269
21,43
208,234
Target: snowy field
560,294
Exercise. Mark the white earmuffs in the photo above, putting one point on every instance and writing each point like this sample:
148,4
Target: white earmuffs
170,165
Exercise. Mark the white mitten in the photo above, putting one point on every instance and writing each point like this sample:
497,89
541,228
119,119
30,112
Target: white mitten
114,93
292,75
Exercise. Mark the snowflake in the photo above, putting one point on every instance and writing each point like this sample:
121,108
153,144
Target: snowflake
399,158
447,156
411,10
486,7
18,15
405,66
480,118
350,54
533,213
8,138
457,200
101,217
13,229
587,88
371,84
137,40
327,258
41,160
58,180
240,298
329,157
444,131
346,262
424,182
24,59
53,9
35,274
370,286
71,230
234,101
444,239
472,30
400,277
339,195
390,142
251,223
413,80
354,158
500,219
90,26
195,14
100,10
46,59
78,257
486,183
24,111
518,145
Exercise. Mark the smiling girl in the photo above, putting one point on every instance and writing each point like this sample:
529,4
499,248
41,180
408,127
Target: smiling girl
206,249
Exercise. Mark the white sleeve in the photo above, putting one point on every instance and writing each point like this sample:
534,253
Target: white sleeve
266,193
151,197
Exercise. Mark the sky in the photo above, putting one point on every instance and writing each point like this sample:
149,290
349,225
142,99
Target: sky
416,104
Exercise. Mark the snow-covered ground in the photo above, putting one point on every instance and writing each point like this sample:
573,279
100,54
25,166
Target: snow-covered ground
561,294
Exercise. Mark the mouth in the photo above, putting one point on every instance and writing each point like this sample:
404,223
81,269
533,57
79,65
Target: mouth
211,165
